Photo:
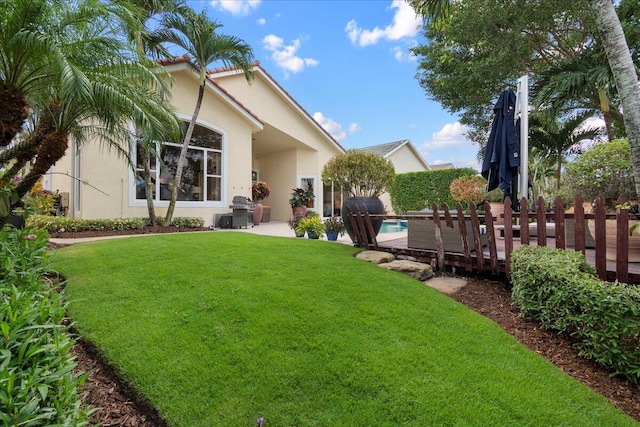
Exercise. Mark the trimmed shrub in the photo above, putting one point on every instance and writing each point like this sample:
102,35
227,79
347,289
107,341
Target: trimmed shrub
37,384
55,223
188,222
558,289
419,190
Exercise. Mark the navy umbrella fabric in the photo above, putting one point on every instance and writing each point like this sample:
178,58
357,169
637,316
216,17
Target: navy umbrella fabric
502,156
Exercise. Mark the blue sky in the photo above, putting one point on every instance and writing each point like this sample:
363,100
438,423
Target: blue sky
347,62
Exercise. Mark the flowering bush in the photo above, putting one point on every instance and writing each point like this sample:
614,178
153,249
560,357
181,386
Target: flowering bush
335,225
468,189
260,191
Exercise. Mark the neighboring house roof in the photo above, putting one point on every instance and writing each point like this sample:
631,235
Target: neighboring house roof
442,166
183,63
257,68
386,150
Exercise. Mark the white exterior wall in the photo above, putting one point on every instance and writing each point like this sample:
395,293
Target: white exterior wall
309,148
404,160
112,176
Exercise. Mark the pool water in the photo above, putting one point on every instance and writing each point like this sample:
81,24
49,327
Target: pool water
393,226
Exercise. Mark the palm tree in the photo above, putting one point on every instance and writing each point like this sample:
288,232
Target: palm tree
93,86
29,60
624,73
196,34
618,54
542,171
556,139
146,44
583,82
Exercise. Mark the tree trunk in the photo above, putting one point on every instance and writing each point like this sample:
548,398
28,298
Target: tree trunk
53,147
12,115
146,153
624,73
183,156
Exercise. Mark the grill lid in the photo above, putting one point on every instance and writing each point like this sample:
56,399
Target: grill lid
241,202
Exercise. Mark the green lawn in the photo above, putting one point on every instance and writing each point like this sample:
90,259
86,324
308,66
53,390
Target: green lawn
218,329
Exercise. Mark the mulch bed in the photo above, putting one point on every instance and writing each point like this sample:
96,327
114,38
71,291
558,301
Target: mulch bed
118,405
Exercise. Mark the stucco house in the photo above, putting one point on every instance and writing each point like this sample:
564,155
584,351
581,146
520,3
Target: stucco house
245,132
405,158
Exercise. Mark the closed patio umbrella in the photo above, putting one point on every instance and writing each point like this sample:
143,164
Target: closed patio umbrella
502,156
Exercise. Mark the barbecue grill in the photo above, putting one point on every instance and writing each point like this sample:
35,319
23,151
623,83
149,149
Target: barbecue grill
242,212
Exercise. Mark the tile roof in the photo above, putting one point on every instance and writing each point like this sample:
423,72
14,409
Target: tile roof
384,149
441,166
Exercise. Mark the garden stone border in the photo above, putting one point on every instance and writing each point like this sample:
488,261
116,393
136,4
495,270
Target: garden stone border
414,269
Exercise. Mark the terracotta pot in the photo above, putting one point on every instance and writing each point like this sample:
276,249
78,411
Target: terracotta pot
257,213
611,239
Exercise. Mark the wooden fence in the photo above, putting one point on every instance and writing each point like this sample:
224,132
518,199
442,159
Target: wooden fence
545,227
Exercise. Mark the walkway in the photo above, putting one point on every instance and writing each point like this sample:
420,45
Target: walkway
272,228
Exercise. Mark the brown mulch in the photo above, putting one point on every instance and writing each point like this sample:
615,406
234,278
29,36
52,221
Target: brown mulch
118,406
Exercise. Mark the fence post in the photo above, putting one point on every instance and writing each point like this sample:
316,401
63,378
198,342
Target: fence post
438,233
622,239
600,236
558,214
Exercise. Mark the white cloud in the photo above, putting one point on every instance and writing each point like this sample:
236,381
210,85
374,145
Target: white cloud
406,24
261,21
452,134
354,127
334,128
285,56
236,7
403,54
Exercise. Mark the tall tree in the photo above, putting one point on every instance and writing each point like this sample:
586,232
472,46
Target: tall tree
146,44
583,82
482,46
196,35
618,54
624,73
93,86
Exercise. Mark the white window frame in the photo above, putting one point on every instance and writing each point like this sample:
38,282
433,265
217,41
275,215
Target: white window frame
316,200
134,202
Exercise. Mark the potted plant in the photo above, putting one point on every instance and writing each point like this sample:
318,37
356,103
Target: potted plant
495,198
299,200
334,227
364,175
259,191
468,189
313,226
293,224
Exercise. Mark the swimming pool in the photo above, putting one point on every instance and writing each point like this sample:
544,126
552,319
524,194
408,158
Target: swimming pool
393,225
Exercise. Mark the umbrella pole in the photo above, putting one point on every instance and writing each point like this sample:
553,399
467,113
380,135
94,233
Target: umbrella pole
522,108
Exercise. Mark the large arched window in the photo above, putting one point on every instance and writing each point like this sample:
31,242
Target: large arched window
201,174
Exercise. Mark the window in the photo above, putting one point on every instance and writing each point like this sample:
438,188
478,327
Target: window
201,172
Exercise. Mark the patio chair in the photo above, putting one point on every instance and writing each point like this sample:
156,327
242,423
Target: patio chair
421,234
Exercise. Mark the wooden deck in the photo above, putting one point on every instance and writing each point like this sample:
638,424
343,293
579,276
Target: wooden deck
399,246
498,244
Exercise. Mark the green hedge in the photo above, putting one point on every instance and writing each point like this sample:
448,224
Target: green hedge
37,384
419,190
55,223
558,289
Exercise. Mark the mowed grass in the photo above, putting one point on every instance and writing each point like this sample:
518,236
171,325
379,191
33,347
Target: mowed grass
218,329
